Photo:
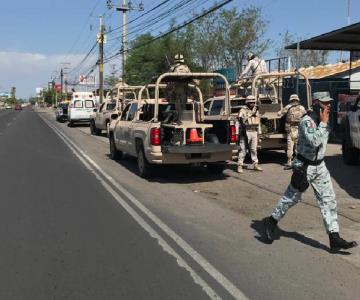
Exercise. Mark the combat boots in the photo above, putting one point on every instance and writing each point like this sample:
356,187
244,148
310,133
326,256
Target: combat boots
337,243
288,165
257,168
270,228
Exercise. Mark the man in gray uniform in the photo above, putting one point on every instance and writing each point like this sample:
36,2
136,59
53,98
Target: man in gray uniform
309,169
249,127
294,111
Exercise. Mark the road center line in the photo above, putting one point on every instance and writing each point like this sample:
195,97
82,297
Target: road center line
207,266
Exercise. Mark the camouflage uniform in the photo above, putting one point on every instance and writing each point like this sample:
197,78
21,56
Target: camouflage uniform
294,113
251,119
312,145
180,68
254,67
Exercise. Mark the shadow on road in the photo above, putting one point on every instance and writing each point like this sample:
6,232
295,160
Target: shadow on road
346,176
258,226
181,174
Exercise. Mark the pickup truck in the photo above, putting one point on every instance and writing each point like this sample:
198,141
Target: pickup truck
170,128
114,104
351,134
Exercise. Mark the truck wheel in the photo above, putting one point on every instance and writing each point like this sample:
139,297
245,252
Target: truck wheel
145,169
216,168
107,128
115,154
93,129
70,124
350,154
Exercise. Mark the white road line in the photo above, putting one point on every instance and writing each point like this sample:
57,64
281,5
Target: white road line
164,245
207,266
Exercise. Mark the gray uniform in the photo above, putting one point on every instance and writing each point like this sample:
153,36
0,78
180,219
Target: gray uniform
251,120
312,146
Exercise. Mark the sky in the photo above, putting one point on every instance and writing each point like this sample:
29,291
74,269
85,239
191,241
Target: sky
39,37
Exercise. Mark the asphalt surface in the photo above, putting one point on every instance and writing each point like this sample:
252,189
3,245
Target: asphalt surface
66,237
62,234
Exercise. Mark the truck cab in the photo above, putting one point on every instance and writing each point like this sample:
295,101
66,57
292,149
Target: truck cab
351,135
166,125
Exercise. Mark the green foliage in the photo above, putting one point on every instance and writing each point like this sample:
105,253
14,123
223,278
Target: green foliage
307,58
218,40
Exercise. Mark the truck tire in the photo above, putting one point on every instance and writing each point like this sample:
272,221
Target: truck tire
115,154
144,167
70,124
108,128
216,168
349,152
93,129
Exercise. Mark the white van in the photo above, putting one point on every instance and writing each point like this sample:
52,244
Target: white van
81,108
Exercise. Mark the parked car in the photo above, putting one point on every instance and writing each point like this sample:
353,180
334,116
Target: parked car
351,135
7,106
18,107
172,130
81,108
61,112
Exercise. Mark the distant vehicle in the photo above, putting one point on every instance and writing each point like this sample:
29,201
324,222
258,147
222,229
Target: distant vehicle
81,108
172,129
7,106
351,135
61,112
18,107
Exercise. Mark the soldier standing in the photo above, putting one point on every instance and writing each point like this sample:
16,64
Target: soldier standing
255,66
179,65
294,111
249,125
309,169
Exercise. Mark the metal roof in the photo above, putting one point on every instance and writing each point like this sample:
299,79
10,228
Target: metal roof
345,39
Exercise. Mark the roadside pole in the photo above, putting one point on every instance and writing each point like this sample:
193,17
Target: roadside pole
61,83
100,39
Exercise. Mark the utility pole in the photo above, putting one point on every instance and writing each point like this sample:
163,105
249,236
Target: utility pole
100,39
61,83
124,8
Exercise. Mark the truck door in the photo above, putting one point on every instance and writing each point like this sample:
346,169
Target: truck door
128,130
119,130
98,117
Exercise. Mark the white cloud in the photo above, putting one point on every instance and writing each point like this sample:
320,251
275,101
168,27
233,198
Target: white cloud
27,71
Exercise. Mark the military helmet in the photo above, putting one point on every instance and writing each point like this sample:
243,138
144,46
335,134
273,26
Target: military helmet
250,56
250,99
294,97
179,58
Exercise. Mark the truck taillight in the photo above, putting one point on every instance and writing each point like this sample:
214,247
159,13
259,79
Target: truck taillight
155,137
232,134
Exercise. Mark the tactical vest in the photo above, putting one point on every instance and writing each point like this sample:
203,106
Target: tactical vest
252,121
294,115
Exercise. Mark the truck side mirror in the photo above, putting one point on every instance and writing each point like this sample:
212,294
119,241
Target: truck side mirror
114,116
95,110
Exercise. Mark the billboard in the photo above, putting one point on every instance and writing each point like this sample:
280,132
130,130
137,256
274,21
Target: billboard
86,80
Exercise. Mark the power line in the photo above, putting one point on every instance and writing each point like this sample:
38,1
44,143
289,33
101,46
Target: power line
177,28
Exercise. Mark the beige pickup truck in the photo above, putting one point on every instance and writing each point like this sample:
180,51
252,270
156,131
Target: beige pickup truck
114,103
167,126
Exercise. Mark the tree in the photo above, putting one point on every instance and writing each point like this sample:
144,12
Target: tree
307,58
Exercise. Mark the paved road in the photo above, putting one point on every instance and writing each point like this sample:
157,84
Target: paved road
66,237
62,234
